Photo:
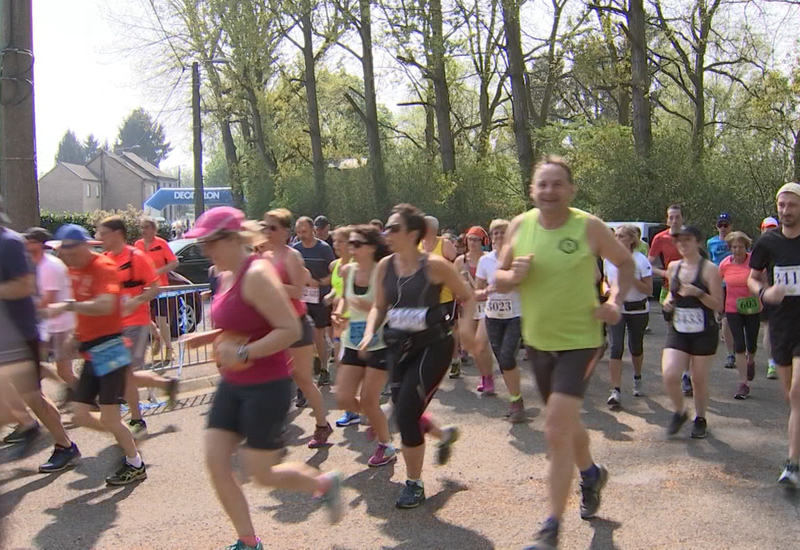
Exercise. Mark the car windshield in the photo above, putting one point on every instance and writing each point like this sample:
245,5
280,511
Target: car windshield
179,244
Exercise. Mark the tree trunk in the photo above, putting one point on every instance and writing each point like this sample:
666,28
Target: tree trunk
519,93
318,160
258,127
446,142
232,162
640,79
796,156
486,118
698,81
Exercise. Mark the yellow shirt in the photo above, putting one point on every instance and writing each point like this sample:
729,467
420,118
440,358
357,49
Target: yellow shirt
446,295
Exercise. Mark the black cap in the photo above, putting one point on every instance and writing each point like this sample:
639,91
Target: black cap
689,230
321,221
38,234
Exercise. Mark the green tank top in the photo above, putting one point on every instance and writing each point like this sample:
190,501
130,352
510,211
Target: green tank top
559,296
337,283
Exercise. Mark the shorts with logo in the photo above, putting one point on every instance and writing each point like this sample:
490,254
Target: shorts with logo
566,372
373,359
108,389
137,338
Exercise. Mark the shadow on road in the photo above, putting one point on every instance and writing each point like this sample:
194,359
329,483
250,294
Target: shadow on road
603,538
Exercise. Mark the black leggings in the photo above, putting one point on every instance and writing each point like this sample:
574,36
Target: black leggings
636,323
504,336
414,380
745,331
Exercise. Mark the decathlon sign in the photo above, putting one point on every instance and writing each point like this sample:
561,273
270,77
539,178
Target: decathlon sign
167,196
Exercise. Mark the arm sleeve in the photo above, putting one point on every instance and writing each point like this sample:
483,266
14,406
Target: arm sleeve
759,257
49,277
14,260
655,249
144,268
645,269
329,253
169,255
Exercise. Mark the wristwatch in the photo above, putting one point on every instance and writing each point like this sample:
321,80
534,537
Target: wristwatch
242,354
70,305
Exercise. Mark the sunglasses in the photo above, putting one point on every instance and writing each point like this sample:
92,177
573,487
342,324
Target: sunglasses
272,228
723,225
394,228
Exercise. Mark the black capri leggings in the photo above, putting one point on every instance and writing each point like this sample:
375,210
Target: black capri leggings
636,323
504,336
745,331
414,380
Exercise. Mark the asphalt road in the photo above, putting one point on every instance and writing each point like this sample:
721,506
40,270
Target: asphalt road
711,494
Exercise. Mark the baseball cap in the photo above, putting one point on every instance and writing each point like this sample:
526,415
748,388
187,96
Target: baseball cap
790,187
723,218
689,230
72,232
769,222
219,218
39,234
321,221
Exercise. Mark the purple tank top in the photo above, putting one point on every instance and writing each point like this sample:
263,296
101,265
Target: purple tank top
230,312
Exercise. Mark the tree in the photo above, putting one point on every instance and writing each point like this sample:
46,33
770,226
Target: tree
90,148
70,150
140,134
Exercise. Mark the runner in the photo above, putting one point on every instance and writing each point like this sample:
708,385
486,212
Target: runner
377,224
158,250
317,256
777,253
550,255
322,230
250,406
418,334
768,224
288,263
717,247
635,316
366,368
502,322
742,309
693,335
139,286
96,288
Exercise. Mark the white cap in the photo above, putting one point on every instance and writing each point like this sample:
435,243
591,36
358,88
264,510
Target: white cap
790,187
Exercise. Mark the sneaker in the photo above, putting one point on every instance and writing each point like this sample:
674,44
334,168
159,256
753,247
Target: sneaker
742,392
546,539
412,496
172,392
481,385
333,498
700,428
516,412
455,369
320,438
772,374
300,401
615,399
790,478
324,378
686,385
61,459
488,385
730,362
444,450
591,493
127,474
382,456
138,429
23,435
751,370
239,545
678,420
348,419
648,330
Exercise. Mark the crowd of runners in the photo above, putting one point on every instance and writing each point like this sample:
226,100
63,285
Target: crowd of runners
391,309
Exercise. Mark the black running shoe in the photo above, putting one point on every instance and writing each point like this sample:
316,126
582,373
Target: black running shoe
61,459
591,493
22,435
324,378
546,539
678,420
300,401
127,474
412,496
699,430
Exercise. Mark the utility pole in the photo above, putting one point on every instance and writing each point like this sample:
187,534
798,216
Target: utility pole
18,182
199,203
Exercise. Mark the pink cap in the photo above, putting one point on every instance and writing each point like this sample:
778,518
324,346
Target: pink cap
219,218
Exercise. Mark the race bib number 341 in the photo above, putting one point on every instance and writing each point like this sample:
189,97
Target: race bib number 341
788,276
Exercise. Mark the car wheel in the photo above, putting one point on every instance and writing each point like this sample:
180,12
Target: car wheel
187,317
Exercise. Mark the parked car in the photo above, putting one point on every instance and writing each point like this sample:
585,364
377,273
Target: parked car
184,310
193,265
648,230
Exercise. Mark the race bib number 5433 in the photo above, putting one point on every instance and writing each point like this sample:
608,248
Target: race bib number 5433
689,320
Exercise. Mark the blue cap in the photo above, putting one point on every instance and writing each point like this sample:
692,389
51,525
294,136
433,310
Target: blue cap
73,232
724,217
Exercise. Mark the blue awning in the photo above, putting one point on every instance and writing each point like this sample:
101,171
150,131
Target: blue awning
167,196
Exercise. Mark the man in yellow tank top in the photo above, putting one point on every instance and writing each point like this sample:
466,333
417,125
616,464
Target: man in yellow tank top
551,259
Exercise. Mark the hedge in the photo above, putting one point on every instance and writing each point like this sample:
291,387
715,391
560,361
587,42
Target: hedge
52,221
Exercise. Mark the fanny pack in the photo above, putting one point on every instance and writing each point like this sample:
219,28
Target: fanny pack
109,355
401,344
639,305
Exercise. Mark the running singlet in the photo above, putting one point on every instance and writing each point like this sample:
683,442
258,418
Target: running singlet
413,301
358,319
558,297
337,283
447,294
283,273
230,312
690,315
780,256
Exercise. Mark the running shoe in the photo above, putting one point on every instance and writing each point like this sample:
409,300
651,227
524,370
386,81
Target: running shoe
324,378
61,459
445,448
239,545
348,419
488,385
481,385
638,389
127,474
678,420
772,374
300,401
172,392
730,362
455,369
742,392
412,496
382,456
138,429
516,412
790,478
648,330
700,428
333,498
686,385
320,437
751,370
591,493
22,435
546,539
615,399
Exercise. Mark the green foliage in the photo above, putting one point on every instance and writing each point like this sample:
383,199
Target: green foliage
141,135
52,221
70,150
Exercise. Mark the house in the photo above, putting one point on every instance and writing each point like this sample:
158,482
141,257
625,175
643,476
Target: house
109,181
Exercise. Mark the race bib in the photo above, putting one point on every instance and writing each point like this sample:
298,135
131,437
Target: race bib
310,295
748,305
499,309
789,276
410,319
357,330
480,310
689,320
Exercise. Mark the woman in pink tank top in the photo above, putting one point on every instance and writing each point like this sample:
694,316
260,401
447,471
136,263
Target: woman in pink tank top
250,406
289,264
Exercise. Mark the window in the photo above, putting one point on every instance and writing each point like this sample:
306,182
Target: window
192,252
97,189
88,191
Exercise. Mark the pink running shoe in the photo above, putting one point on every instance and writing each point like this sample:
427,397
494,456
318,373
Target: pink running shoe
488,385
382,456
320,438
482,385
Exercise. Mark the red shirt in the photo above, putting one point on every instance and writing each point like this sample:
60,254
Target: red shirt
160,254
98,277
663,247
135,272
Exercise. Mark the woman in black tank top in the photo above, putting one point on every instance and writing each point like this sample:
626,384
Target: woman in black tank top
418,337
695,295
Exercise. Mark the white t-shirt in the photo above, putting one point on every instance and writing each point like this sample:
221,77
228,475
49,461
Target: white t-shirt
52,274
499,306
643,269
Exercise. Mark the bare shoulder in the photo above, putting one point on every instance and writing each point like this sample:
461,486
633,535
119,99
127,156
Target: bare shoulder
260,271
